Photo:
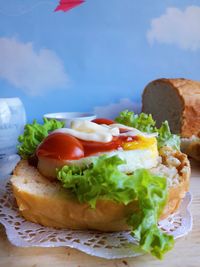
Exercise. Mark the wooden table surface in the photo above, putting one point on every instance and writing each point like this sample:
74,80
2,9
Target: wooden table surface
186,252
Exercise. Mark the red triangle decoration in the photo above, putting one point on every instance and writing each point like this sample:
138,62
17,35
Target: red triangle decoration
65,5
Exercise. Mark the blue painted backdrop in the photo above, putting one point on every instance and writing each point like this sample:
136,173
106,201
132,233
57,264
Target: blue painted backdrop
96,57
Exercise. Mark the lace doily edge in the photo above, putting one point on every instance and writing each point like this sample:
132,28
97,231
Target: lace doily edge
14,240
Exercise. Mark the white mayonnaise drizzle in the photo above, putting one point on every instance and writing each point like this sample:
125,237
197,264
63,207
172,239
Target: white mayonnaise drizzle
90,131
132,131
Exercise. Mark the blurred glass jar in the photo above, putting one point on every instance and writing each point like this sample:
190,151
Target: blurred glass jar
12,121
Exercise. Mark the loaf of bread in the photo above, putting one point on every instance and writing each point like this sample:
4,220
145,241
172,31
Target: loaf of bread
191,146
48,203
174,100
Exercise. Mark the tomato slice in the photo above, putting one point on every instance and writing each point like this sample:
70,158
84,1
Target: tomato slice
61,146
103,121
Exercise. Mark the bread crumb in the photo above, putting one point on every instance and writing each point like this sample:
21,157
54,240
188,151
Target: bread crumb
172,161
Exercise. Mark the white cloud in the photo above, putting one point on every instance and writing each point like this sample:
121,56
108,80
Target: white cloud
112,110
178,27
34,72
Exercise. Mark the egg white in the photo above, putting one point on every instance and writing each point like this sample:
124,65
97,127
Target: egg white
134,159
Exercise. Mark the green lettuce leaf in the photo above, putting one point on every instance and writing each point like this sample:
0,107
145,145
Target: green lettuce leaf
166,138
151,194
34,134
145,123
103,180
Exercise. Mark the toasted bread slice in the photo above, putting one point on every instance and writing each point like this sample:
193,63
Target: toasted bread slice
48,203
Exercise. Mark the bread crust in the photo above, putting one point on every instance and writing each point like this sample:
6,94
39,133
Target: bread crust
189,93
191,146
176,193
57,207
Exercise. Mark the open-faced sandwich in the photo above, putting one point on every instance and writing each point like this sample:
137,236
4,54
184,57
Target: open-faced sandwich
102,175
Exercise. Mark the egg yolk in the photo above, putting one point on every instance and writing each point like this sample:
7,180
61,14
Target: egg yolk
139,143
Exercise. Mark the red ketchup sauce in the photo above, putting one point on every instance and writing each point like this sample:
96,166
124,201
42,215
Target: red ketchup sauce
63,146
97,147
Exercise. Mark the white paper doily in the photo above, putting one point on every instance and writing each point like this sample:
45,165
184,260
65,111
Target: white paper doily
107,245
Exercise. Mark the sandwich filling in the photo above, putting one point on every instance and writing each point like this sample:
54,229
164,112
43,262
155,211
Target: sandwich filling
85,141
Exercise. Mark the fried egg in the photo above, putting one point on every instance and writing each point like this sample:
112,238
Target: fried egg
138,154
85,141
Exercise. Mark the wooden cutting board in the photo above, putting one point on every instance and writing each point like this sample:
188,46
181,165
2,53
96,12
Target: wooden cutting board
186,252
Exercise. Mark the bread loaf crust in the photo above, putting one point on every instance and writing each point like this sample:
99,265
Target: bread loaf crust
189,94
191,146
60,209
